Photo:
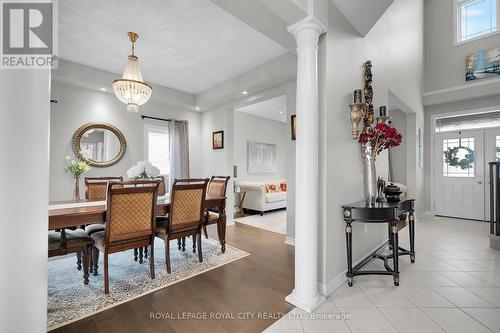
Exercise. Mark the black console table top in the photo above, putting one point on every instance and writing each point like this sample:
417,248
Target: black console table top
380,212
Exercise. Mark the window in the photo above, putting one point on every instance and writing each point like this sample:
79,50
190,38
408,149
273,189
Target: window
475,19
458,157
157,148
470,121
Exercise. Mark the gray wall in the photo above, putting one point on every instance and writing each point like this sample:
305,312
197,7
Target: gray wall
77,106
395,46
444,69
249,128
219,162
398,154
445,62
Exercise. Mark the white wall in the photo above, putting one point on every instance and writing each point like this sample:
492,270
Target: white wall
445,71
398,154
395,46
445,62
77,106
24,147
249,128
219,162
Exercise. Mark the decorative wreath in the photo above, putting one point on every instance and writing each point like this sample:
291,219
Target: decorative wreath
451,158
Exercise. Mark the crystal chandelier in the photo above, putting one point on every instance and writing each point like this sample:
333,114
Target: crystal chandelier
131,88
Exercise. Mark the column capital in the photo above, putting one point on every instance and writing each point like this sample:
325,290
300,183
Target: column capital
310,22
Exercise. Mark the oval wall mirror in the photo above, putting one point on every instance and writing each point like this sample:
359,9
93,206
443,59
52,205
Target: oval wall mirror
99,144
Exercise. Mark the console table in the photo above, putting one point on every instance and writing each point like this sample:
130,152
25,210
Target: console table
380,212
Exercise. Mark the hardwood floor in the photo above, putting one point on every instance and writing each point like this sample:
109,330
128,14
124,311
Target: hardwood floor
253,286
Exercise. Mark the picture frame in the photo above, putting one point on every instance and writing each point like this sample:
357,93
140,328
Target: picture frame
262,158
483,64
293,126
218,140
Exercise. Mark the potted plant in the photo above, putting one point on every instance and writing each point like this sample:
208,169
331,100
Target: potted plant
373,141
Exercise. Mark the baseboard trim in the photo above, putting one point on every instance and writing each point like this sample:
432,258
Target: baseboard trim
328,288
290,241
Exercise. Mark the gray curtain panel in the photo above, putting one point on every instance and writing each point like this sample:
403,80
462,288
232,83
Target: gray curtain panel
178,132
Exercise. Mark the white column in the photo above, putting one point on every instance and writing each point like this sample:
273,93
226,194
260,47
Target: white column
24,195
305,294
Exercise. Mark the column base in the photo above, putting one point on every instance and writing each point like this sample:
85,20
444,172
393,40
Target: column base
308,305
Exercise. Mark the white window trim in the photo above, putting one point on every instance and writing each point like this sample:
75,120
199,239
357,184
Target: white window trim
457,27
151,128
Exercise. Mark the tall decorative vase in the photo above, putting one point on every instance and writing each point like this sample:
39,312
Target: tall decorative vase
369,174
76,194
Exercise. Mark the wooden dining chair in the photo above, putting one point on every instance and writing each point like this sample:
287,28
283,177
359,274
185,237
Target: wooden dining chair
186,215
130,223
71,241
162,188
141,253
216,188
96,189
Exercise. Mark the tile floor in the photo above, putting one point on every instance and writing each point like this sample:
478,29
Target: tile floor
454,286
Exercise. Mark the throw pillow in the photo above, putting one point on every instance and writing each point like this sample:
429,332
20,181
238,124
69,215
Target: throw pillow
271,188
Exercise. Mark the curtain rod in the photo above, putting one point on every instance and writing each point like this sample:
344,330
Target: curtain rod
162,119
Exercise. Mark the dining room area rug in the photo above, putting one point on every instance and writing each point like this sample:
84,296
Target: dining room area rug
70,300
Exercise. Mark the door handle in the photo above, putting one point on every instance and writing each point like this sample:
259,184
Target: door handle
479,182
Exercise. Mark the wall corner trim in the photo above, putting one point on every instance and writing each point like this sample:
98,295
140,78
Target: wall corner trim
290,241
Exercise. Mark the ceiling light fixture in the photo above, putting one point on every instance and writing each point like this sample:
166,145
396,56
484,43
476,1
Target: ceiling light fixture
197,108
131,88
244,92
103,89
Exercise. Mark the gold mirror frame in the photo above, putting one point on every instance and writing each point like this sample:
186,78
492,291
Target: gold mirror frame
84,128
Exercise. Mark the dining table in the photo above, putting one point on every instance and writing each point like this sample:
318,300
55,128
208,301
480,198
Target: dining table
75,213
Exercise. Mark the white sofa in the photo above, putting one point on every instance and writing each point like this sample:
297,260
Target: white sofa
256,197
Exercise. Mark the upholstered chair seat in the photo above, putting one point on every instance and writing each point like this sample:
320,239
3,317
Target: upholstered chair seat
99,239
92,228
54,240
74,241
74,238
162,225
212,217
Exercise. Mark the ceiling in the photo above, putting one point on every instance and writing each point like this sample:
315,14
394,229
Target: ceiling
363,14
186,45
274,108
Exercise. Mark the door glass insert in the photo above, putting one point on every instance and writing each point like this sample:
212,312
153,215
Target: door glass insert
459,157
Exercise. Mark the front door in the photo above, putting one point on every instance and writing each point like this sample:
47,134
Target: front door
491,154
459,175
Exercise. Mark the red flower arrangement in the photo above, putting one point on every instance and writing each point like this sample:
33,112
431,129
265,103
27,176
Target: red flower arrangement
381,137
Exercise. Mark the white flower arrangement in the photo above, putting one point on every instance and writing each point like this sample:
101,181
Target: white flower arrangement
76,168
143,170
